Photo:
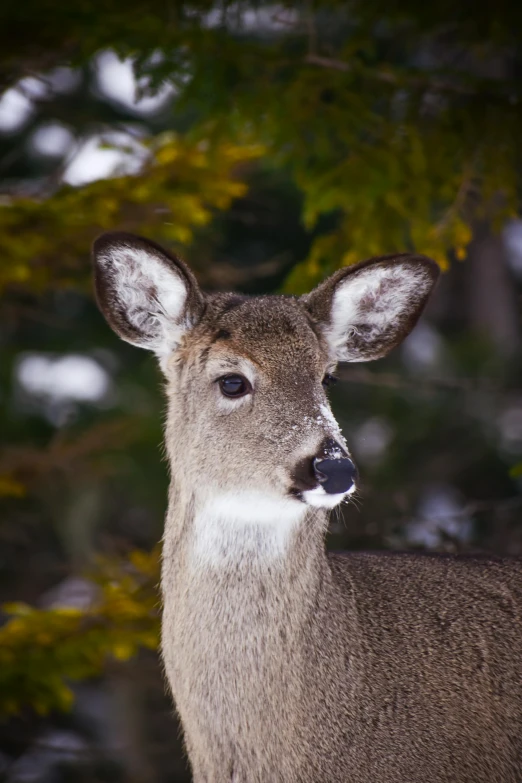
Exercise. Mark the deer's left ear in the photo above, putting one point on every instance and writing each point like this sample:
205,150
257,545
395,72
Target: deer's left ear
147,295
368,309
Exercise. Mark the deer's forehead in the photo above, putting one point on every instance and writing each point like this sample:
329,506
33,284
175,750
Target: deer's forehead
270,331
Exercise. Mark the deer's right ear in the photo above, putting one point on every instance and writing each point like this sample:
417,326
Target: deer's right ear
149,297
368,309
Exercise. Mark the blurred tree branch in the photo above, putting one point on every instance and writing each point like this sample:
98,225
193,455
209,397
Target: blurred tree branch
41,649
397,112
178,188
67,453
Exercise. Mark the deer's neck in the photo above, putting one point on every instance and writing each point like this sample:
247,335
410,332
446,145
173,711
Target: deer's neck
241,593
229,544
244,598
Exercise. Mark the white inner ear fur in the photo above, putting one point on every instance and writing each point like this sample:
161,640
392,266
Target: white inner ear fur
152,296
376,298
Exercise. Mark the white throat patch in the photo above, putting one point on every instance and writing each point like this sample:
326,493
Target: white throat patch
244,525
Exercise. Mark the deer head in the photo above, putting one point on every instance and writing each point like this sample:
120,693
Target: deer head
248,414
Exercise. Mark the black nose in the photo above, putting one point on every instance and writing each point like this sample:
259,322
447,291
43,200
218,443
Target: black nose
335,475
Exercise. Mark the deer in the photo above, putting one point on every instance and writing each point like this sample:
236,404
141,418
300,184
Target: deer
288,663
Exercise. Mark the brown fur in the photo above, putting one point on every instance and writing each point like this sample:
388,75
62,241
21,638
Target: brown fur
292,665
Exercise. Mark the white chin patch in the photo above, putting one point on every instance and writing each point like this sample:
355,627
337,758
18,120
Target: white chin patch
320,499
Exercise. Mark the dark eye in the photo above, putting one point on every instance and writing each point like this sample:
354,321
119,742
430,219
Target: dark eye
234,385
329,380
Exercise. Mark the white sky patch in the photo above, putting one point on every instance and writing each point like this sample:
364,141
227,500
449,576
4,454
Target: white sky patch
63,79
33,87
15,110
71,377
441,512
73,592
270,17
117,82
95,161
52,748
16,104
52,140
512,237
372,439
423,348
510,429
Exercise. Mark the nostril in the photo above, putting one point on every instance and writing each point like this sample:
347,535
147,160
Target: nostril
320,476
335,475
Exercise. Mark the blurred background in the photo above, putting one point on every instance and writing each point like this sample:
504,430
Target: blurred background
268,144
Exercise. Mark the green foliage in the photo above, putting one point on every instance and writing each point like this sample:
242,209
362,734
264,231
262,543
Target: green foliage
178,189
42,649
397,124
